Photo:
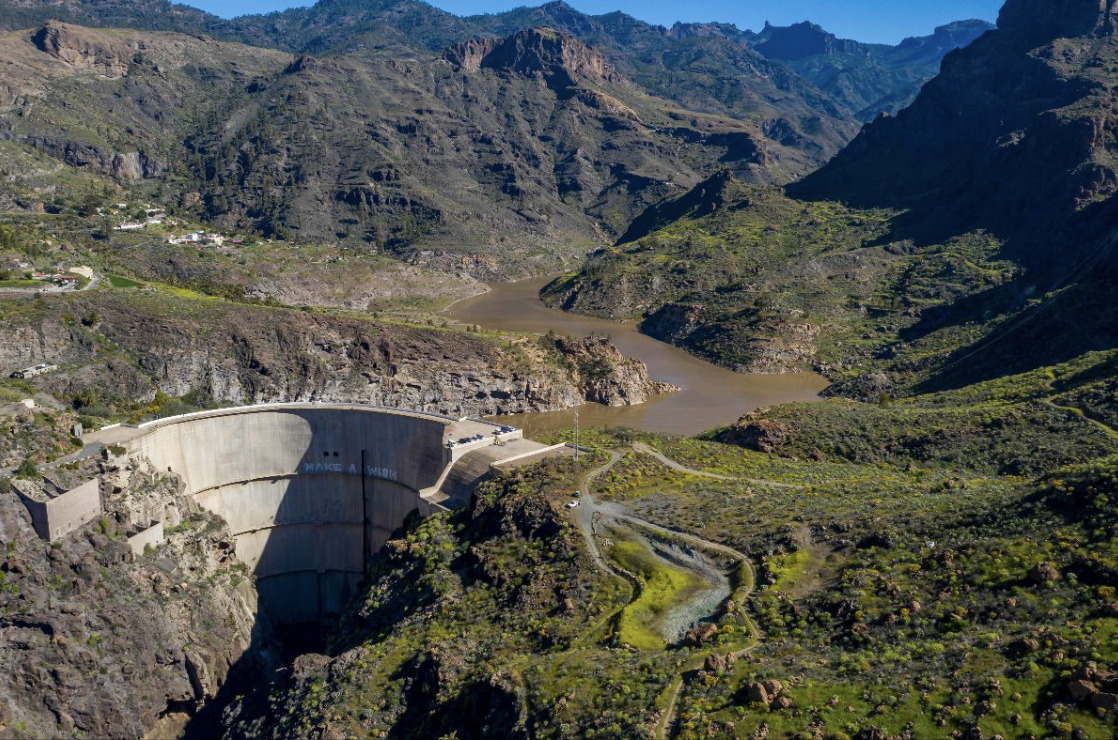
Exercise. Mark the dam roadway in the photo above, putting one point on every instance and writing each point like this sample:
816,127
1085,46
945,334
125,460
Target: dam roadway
312,491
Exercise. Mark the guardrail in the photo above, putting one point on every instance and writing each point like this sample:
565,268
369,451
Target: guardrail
301,405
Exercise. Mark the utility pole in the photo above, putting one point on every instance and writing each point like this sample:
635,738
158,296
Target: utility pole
364,516
576,435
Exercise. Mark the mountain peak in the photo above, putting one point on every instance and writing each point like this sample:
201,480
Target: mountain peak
541,49
801,40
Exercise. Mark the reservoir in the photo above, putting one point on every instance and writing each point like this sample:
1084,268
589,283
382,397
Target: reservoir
710,396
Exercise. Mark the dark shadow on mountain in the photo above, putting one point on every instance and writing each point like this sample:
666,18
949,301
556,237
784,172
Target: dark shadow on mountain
251,675
1082,318
480,708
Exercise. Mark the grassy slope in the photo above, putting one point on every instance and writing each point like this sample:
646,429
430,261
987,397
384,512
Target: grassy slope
484,619
754,280
745,266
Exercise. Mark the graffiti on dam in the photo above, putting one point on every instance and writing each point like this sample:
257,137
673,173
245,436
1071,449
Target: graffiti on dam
371,471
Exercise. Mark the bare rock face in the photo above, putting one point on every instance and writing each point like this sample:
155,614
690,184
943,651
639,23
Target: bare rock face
558,56
790,347
85,49
1038,21
607,376
98,642
470,54
259,356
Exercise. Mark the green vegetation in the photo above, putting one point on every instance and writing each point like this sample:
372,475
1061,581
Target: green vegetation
915,539
122,282
28,469
662,587
749,278
935,545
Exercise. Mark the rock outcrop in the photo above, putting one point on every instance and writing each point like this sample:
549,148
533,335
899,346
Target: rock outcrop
98,642
770,693
607,376
85,49
1094,685
1015,136
754,432
558,57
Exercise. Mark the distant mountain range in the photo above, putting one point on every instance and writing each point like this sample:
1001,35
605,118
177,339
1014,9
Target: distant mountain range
395,124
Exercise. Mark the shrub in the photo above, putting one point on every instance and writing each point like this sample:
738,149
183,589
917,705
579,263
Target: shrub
28,469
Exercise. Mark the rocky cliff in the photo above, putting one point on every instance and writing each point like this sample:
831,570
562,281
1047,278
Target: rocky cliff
555,55
98,642
867,79
84,49
607,376
493,153
1016,136
136,346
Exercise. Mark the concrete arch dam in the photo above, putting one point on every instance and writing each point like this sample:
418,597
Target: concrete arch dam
312,491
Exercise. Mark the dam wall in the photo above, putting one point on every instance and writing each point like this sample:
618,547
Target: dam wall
310,492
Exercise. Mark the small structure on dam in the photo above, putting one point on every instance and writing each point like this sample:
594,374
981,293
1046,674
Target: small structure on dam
311,491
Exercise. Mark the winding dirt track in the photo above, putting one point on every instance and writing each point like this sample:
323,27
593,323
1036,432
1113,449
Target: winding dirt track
645,449
584,515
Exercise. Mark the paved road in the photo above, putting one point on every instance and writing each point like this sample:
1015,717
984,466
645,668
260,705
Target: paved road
92,449
93,283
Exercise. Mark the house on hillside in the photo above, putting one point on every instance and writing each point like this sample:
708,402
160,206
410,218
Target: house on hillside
33,372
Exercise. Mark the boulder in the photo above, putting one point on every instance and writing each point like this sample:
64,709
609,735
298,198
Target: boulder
701,634
773,687
1104,701
1081,689
1044,573
718,663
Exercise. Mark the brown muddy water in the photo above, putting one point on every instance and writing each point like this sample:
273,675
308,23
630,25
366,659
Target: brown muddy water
710,396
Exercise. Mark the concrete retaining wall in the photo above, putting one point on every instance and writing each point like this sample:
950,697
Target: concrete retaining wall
151,536
58,517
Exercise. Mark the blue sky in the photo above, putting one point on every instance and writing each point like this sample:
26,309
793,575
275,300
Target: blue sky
864,20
